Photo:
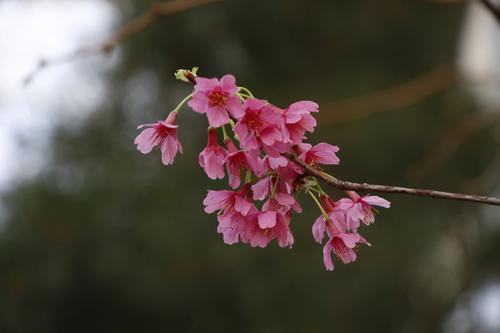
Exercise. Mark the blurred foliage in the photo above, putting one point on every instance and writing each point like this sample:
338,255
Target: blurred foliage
108,240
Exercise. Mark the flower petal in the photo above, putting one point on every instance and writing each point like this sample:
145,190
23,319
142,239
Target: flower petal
318,229
267,220
327,257
217,116
145,140
376,201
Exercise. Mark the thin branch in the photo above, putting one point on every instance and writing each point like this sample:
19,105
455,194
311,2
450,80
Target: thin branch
389,99
350,186
131,28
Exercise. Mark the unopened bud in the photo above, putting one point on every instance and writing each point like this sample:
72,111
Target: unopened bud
186,75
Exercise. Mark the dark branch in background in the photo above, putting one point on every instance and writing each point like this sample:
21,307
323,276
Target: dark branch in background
164,9
451,142
393,98
363,187
133,27
492,8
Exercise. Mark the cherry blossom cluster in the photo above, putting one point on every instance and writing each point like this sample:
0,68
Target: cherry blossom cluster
257,140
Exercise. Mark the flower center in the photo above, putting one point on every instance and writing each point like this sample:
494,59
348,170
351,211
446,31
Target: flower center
253,121
217,98
161,133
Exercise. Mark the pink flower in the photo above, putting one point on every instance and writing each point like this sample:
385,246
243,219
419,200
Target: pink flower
233,225
322,153
298,120
217,99
239,160
235,209
359,209
225,201
278,189
273,163
262,188
342,245
163,134
260,127
341,242
212,157
336,223
272,223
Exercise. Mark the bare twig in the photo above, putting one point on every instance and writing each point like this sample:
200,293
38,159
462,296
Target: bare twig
350,186
408,93
131,28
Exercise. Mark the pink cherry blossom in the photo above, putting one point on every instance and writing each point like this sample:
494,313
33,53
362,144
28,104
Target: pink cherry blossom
162,133
238,160
334,223
359,209
225,201
281,228
342,245
287,186
259,145
279,189
217,99
233,225
341,242
262,188
322,153
272,223
275,162
212,158
260,127
298,120
235,211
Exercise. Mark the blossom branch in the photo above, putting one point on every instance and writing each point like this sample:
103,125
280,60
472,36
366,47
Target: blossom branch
267,143
133,27
350,186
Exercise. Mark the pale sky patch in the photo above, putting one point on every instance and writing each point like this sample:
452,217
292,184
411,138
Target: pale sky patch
32,30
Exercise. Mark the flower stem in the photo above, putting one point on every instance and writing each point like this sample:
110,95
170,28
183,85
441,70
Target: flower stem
275,187
315,190
247,91
183,102
244,96
325,215
224,133
318,186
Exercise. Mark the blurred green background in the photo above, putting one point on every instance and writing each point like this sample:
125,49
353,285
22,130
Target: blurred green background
108,240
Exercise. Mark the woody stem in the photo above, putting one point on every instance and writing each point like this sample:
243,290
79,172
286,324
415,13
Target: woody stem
363,187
